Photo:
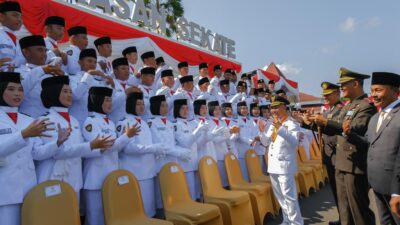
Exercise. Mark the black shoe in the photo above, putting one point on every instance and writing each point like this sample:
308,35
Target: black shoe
337,222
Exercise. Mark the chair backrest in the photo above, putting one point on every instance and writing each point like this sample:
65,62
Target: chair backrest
253,165
173,184
302,153
316,149
122,199
233,171
49,203
209,175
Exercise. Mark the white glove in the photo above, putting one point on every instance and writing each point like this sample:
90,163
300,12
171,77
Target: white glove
226,133
218,131
200,128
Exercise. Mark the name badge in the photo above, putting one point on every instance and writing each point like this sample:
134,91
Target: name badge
329,116
5,131
186,131
350,113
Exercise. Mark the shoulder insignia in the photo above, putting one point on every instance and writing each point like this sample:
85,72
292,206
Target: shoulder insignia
88,128
70,52
149,123
119,128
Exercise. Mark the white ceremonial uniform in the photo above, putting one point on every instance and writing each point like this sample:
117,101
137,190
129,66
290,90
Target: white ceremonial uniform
177,84
133,80
232,88
80,85
206,96
119,101
182,94
157,79
97,167
223,97
259,148
222,144
282,166
17,171
9,48
204,141
244,141
32,103
138,157
50,45
109,70
186,135
63,163
196,80
214,89
263,101
148,92
73,66
164,90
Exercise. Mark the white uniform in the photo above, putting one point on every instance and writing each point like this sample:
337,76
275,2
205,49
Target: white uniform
196,80
244,141
177,84
206,96
214,89
204,140
224,97
97,167
232,88
50,45
109,70
80,85
63,163
32,103
186,135
10,49
222,143
73,66
157,80
17,171
259,148
119,101
148,92
282,166
139,150
189,96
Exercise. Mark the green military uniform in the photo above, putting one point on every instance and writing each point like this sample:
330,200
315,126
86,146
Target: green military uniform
351,158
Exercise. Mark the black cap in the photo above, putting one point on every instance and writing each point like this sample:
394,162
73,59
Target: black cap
13,77
244,75
242,84
203,65
253,105
226,105
177,106
160,60
278,100
54,80
131,99
217,67
386,78
224,82
77,30
271,82
183,64
9,6
102,41
129,50
280,91
228,71
148,70
55,20
184,79
258,90
261,81
29,41
204,80
147,55
242,103
135,95
102,91
197,105
88,52
122,61
167,73
212,104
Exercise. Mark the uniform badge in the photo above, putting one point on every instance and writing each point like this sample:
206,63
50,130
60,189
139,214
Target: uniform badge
119,128
70,52
149,123
329,116
5,131
88,128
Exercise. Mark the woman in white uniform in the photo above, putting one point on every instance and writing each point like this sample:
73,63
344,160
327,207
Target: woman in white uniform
18,134
258,147
63,163
140,149
97,167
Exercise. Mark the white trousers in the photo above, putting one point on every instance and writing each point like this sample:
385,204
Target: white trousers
10,214
94,207
284,187
149,201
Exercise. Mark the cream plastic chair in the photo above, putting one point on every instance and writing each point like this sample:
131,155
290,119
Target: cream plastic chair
256,175
122,201
179,207
235,206
50,203
315,164
306,175
260,194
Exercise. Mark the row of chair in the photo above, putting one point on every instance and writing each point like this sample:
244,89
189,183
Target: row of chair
55,202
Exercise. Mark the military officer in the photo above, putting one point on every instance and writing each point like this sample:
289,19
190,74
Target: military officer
351,158
282,137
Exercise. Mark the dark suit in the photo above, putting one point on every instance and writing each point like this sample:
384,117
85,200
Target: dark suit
329,147
384,161
351,163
